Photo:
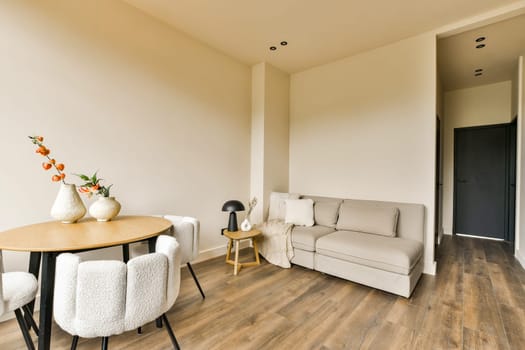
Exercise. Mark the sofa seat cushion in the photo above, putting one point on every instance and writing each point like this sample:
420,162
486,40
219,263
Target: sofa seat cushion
304,237
392,254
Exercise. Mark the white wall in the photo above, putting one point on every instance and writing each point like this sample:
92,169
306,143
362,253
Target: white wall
257,140
482,105
277,132
270,135
164,118
364,127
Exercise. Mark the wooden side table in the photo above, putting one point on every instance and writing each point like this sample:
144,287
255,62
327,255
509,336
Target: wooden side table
236,237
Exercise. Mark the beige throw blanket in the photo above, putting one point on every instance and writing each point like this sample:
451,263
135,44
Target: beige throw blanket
276,242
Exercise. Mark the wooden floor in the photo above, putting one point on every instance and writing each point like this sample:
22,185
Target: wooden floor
476,301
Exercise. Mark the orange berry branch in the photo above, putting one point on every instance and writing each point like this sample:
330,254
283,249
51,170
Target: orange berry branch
92,186
44,151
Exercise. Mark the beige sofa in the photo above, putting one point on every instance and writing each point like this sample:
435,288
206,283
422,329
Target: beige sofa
378,244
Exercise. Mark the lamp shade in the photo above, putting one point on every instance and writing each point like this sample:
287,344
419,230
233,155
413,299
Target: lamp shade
233,205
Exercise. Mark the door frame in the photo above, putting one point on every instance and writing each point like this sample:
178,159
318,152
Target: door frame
506,232
438,200
510,236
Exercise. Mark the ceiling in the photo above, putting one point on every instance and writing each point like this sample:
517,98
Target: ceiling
317,31
458,57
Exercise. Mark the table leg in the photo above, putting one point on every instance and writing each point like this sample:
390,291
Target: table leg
255,251
235,266
46,299
229,251
125,253
151,244
34,268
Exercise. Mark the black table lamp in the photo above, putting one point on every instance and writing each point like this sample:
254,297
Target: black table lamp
233,206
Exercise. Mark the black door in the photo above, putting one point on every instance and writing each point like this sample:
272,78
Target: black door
481,181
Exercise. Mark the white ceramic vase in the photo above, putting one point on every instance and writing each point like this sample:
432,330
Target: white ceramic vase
68,207
246,225
105,208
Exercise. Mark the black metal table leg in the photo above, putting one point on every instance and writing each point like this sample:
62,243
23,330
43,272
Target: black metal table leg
151,244
34,268
46,299
125,253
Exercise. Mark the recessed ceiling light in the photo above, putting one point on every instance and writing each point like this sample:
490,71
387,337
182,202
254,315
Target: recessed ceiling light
273,48
478,74
480,46
478,70
284,43
480,39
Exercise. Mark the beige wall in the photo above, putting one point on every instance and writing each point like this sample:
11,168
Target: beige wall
482,105
161,116
364,127
270,135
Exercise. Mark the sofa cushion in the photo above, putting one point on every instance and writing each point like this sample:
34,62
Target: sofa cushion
326,212
300,212
277,209
376,220
411,220
304,237
392,254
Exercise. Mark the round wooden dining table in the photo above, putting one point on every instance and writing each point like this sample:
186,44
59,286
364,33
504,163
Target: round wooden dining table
48,239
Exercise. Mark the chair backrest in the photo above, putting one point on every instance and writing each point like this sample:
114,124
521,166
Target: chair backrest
186,231
102,298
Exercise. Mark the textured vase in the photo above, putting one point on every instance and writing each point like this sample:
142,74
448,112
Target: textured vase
246,225
104,209
68,207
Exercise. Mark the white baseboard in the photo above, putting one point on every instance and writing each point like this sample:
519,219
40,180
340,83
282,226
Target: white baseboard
211,253
430,270
520,258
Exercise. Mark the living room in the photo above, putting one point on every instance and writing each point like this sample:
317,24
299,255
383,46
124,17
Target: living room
180,125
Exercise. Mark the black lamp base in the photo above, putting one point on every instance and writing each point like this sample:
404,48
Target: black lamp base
232,222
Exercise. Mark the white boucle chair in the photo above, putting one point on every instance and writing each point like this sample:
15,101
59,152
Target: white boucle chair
17,289
186,231
104,298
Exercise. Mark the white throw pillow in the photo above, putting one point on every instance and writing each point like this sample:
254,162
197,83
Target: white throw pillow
277,209
300,212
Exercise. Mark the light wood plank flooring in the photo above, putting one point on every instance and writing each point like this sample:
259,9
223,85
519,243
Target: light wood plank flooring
476,301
